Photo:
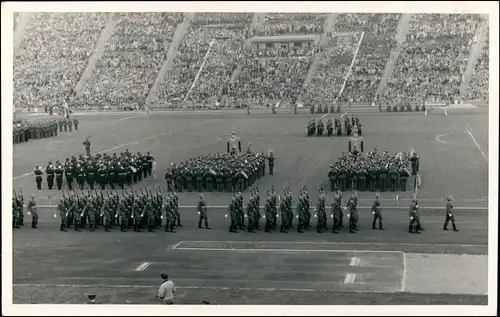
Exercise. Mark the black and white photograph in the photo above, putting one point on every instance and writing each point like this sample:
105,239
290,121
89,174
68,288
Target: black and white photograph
298,158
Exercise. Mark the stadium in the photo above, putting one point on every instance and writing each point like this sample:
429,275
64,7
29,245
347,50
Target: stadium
417,81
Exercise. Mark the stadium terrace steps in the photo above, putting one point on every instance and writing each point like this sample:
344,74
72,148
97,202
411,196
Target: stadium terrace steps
391,62
97,52
24,19
256,18
475,52
329,24
179,35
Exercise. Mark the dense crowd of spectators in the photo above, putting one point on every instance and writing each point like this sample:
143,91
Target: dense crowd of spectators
370,62
442,26
271,79
53,55
133,56
479,85
257,52
208,18
432,60
218,47
336,58
57,46
291,24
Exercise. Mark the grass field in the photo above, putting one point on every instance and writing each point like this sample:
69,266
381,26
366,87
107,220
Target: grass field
260,268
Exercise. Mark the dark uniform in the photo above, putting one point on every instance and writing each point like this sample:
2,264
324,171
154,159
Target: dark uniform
59,171
414,218
50,175
271,159
34,212
102,176
80,176
403,175
352,205
202,211
377,214
449,216
233,214
38,177
15,213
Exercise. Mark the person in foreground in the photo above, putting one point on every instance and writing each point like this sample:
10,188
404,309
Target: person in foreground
166,291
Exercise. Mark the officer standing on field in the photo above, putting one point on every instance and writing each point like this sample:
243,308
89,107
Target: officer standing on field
33,211
449,215
59,175
377,213
50,175
202,211
38,176
414,218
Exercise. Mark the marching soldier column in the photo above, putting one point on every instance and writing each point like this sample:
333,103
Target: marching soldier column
140,209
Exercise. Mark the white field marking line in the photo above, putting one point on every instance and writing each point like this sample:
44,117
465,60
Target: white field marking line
129,143
46,146
403,281
359,207
359,199
477,144
349,278
176,245
438,139
350,67
342,115
287,271
355,261
201,287
143,266
283,250
200,69
347,243
127,118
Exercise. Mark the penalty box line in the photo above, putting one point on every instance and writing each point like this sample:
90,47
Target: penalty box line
215,288
179,247
283,250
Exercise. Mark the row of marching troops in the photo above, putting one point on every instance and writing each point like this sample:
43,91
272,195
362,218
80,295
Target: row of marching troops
352,124
25,130
220,172
133,210
105,171
373,171
284,215
18,210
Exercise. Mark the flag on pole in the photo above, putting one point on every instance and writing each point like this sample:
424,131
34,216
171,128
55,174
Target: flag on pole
66,109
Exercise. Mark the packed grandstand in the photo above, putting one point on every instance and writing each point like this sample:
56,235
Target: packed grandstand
174,60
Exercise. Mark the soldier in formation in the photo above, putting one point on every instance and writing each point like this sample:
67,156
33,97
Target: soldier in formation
221,172
132,210
32,210
24,130
104,171
144,209
370,171
351,123
449,215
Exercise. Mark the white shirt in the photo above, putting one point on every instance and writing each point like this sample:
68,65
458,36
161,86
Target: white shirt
166,292
153,168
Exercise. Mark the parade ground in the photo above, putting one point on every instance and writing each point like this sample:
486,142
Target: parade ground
366,268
